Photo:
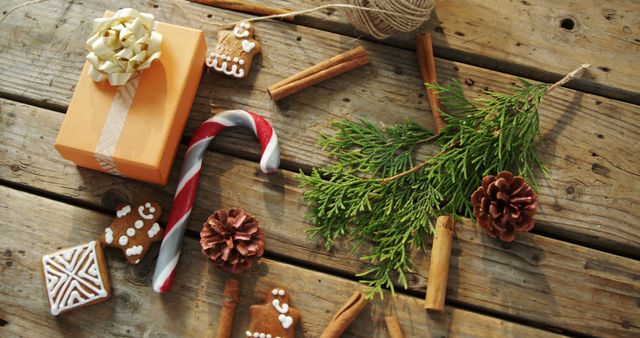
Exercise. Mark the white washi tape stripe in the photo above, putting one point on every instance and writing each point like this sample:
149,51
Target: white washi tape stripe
113,126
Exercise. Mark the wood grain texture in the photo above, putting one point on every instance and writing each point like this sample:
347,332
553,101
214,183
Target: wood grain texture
590,143
191,308
539,279
529,38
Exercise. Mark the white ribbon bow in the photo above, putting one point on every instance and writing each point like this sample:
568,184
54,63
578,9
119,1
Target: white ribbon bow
122,45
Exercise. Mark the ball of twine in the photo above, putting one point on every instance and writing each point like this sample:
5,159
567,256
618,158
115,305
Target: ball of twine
394,16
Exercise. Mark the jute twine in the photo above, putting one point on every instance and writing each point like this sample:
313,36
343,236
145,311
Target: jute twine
389,16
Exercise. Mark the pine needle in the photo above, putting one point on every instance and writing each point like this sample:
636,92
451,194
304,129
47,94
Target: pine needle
373,191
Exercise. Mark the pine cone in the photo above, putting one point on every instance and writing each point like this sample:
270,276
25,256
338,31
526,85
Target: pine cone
504,205
232,239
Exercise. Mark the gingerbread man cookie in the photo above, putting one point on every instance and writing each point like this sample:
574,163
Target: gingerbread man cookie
235,51
134,230
275,318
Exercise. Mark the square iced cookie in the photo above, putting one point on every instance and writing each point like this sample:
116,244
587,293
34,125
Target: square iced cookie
76,277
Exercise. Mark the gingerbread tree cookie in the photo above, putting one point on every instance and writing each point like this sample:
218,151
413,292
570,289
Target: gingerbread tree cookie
76,277
235,51
275,318
134,230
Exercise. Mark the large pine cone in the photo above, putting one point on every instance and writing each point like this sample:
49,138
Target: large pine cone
504,205
232,239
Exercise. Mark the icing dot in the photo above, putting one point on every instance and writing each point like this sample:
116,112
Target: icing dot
148,205
256,334
268,335
123,240
223,56
152,210
281,292
241,62
235,59
246,25
274,292
137,261
138,224
248,333
131,232
228,58
262,335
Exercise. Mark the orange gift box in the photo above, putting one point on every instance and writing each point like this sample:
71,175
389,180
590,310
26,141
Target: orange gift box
149,136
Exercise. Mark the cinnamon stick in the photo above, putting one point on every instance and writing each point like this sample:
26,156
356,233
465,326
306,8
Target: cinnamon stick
324,70
229,305
427,64
439,263
345,316
246,7
394,327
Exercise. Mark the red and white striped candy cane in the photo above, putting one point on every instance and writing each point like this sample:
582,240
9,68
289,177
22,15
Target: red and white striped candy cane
186,191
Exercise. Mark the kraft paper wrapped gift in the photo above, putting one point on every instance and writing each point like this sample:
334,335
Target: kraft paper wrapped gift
140,142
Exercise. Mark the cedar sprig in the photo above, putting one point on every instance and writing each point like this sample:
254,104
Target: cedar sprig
373,191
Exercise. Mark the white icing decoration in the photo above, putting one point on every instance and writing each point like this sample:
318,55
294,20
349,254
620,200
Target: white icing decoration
134,250
137,261
228,58
286,321
131,232
234,69
138,224
247,46
282,309
73,277
124,211
259,334
281,292
123,240
241,62
154,230
241,34
236,59
147,205
143,215
274,292
152,210
108,235
245,25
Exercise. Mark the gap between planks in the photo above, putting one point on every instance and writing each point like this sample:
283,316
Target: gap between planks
41,115
191,242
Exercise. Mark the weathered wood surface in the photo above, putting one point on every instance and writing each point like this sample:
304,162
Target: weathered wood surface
39,226
590,141
539,279
524,37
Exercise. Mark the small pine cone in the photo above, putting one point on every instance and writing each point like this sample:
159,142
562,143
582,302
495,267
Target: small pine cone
504,205
232,239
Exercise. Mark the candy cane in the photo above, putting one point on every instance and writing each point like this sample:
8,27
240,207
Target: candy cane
186,191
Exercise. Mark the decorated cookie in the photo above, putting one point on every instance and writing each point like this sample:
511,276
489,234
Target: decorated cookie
275,318
76,277
134,230
235,51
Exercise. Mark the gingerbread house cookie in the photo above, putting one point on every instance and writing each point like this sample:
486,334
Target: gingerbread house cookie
134,230
76,277
274,318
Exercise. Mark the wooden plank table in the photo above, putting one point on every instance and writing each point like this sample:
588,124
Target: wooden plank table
577,273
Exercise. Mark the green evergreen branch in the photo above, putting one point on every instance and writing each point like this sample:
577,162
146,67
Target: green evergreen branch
374,193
